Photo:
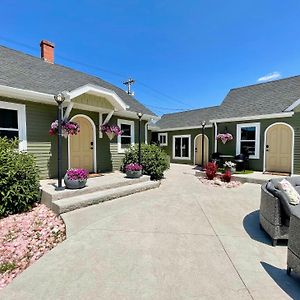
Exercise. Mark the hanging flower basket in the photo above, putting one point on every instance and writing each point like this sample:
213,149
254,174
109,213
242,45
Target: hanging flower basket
68,128
224,137
111,130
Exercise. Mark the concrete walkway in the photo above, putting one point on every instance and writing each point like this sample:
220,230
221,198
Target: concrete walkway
184,240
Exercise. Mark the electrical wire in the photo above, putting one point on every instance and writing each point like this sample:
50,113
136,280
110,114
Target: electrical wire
170,98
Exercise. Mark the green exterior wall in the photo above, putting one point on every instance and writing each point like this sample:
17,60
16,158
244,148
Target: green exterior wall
193,132
44,147
257,164
230,147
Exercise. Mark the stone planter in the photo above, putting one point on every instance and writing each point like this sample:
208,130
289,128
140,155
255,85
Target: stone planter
134,174
74,184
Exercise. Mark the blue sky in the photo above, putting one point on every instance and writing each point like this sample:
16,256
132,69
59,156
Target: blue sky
183,54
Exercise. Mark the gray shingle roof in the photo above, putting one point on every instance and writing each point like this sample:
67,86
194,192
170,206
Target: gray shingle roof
188,118
259,99
24,71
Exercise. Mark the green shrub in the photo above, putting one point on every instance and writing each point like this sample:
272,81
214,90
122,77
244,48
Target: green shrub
19,179
154,160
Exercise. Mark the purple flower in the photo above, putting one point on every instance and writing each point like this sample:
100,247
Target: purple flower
106,128
133,167
68,127
77,174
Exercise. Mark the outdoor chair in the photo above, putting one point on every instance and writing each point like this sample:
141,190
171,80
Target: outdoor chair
215,157
293,257
275,210
241,161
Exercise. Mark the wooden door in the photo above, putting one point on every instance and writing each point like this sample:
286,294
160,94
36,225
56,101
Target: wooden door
198,150
81,146
278,149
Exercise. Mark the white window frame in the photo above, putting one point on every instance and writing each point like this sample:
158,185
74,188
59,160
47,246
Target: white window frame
182,136
126,122
257,138
165,134
21,112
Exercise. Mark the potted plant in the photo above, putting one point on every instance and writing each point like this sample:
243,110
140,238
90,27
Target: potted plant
111,130
224,137
229,165
133,170
76,178
68,127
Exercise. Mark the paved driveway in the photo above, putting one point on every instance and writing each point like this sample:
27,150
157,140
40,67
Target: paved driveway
181,241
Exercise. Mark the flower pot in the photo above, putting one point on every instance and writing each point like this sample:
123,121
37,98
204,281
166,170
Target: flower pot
110,135
74,184
134,174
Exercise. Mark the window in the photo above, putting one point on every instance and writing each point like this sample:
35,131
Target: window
13,122
248,137
127,138
163,139
182,147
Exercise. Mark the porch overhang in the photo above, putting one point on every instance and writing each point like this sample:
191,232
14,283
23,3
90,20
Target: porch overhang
117,103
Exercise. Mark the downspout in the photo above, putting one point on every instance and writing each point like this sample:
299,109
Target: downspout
216,133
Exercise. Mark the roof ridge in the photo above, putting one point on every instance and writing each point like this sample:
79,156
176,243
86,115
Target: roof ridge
189,110
264,83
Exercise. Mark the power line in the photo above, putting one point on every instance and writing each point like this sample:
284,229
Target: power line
103,70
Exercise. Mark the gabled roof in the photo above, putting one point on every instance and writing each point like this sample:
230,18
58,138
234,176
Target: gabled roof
261,99
189,118
23,71
267,98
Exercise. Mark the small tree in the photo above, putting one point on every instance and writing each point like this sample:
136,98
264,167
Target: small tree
19,179
154,160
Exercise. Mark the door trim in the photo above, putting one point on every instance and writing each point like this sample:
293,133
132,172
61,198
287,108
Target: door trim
94,142
205,136
293,140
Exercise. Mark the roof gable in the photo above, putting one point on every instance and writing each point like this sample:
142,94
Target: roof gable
23,71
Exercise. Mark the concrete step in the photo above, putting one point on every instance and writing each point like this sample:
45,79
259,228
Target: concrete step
49,194
72,203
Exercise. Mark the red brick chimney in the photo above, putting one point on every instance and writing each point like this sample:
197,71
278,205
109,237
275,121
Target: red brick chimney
47,51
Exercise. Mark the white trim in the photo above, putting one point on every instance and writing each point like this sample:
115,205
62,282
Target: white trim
133,115
100,122
173,148
294,105
205,136
258,117
127,122
293,142
215,140
108,117
257,138
21,114
166,136
68,110
155,129
92,89
16,93
94,142
146,133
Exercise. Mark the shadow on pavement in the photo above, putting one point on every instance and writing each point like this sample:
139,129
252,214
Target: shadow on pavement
251,225
289,284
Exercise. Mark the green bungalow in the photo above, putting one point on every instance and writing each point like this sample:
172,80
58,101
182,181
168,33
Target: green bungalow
264,120
27,109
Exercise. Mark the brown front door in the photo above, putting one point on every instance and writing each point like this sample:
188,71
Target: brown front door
279,148
81,146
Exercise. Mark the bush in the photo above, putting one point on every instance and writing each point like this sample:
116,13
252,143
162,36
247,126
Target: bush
19,179
154,160
226,176
211,170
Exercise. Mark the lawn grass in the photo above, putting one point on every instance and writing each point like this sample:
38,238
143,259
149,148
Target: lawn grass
222,170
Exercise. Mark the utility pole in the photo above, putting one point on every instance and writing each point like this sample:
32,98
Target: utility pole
129,82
